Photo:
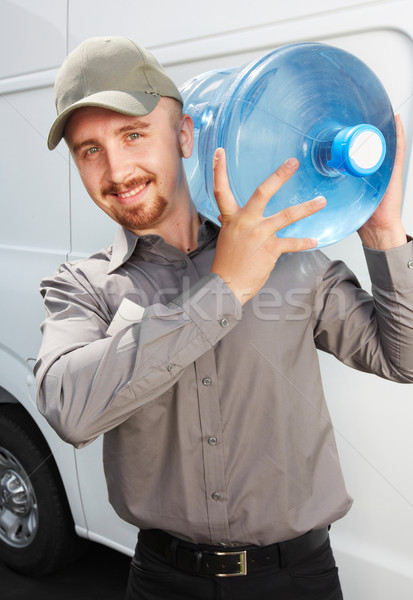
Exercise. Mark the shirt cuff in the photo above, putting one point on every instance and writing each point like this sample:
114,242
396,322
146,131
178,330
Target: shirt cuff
390,269
212,306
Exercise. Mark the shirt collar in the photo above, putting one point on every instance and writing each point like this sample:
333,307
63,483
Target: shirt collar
122,249
125,242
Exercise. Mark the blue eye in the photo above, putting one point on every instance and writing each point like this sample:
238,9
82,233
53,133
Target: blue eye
92,150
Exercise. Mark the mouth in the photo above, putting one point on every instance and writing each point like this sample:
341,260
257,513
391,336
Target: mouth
132,195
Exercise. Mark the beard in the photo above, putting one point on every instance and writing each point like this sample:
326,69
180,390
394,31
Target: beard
142,215
139,218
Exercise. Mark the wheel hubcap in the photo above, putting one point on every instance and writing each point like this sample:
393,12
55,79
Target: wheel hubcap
18,505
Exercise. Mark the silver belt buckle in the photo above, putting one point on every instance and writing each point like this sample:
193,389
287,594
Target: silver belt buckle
242,563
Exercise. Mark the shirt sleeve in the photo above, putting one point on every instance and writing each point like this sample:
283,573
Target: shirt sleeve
89,382
373,334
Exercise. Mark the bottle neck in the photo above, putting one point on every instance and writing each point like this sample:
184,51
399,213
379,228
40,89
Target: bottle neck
358,151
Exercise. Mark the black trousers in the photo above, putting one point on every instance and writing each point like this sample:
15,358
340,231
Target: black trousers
314,577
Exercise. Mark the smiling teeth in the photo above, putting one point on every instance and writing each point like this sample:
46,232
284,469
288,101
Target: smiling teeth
132,192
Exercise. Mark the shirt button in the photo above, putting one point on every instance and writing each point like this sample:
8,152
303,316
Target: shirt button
410,264
183,264
207,381
212,441
216,496
171,367
224,322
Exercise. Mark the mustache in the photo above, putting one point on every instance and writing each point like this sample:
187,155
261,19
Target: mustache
130,184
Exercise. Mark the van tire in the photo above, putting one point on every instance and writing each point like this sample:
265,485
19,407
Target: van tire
37,534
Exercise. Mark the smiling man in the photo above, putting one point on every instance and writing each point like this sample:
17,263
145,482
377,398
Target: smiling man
217,440
132,167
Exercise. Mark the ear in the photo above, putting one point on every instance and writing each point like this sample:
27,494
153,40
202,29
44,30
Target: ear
186,135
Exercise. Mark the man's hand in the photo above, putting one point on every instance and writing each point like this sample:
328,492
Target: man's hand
384,229
247,247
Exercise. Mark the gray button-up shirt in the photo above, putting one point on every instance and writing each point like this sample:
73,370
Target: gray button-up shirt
215,425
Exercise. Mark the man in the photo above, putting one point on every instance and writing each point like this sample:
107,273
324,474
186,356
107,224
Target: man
217,440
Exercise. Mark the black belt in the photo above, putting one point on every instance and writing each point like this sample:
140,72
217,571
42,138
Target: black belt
229,562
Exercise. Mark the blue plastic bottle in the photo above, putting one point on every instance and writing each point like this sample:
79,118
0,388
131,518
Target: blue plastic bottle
312,101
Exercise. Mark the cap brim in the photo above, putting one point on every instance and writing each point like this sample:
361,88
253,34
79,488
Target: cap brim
136,104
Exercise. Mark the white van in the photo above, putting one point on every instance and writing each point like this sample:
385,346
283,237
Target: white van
51,495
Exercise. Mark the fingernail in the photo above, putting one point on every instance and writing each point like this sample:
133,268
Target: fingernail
291,162
218,153
320,200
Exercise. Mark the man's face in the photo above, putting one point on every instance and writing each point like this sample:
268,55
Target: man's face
131,166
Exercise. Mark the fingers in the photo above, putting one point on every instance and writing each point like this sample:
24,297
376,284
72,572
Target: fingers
401,143
286,217
395,187
255,206
287,245
295,213
270,186
258,201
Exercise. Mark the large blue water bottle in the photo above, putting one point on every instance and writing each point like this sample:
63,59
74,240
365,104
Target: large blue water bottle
312,101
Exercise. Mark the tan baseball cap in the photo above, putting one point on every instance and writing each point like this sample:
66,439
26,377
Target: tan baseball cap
113,73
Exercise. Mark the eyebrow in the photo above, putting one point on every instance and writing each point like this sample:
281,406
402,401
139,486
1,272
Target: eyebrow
137,124
76,148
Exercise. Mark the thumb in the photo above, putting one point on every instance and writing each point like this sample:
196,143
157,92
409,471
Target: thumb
222,191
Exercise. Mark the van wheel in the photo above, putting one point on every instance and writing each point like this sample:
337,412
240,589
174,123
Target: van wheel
36,529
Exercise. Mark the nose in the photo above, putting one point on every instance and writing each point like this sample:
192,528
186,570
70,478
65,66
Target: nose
118,166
